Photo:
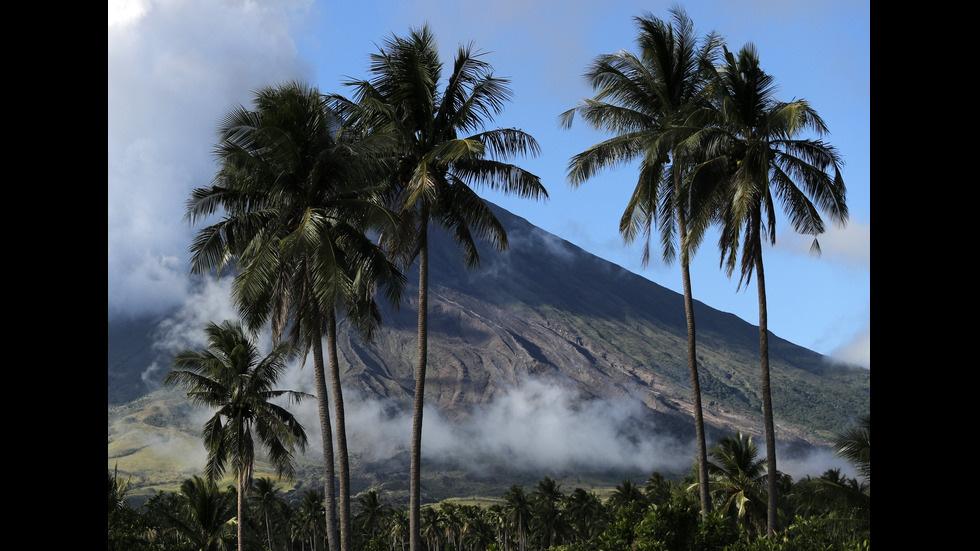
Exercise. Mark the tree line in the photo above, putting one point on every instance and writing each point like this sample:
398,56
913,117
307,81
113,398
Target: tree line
326,200
832,511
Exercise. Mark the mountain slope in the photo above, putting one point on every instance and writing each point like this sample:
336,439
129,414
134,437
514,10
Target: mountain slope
546,314
548,308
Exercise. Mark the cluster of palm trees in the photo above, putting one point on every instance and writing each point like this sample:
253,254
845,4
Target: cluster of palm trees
829,511
306,183
714,148
326,200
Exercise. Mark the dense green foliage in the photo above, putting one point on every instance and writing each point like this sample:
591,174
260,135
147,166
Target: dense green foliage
831,511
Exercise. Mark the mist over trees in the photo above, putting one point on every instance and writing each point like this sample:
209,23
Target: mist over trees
830,511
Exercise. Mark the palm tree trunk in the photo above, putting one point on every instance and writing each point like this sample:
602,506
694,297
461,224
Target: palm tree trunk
692,356
341,433
415,490
767,414
325,431
268,530
241,525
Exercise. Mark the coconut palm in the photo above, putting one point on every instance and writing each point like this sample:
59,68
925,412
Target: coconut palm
548,522
660,490
310,517
627,494
433,169
477,533
737,477
433,528
519,514
202,516
586,514
654,103
854,445
757,149
267,503
370,515
295,190
229,375
844,503
397,529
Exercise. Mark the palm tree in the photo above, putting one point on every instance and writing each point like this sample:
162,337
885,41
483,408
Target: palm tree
310,518
548,520
371,513
737,475
660,490
433,528
267,503
397,528
586,514
854,445
518,508
293,184
432,169
203,516
844,503
628,494
229,375
654,103
756,148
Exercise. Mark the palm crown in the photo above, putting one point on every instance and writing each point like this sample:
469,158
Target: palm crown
433,168
293,189
756,146
230,376
652,103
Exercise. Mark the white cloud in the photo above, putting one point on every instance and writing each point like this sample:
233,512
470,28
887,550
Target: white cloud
856,351
534,426
210,302
814,463
174,67
850,245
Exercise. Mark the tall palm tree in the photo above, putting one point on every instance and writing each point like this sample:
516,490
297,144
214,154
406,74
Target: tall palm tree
229,375
654,103
756,148
433,169
295,189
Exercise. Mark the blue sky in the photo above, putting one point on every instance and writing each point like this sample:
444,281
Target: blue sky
175,66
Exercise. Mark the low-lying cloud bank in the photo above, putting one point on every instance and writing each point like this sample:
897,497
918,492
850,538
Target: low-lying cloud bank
537,426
